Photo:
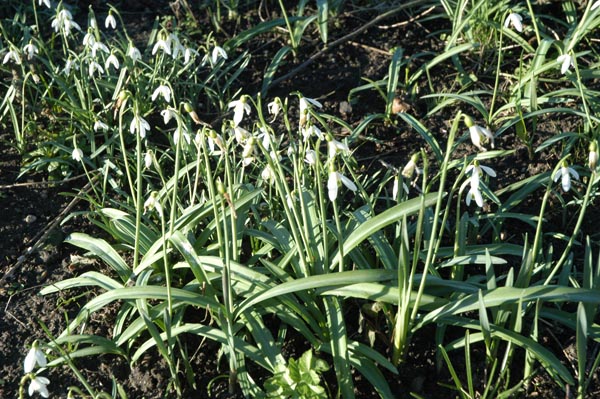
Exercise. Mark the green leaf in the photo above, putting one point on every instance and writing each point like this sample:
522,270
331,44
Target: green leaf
392,215
102,250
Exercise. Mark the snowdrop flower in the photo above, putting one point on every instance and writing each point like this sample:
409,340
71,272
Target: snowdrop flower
187,54
95,67
595,5
566,62
396,185
148,159
152,203
177,135
274,107
476,171
30,49
515,20
77,155
565,172
99,125
162,44
267,174
175,44
411,167
593,157
38,384
241,134
68,65
310,157
64,21
312,130
12,55
167,114
305,104
265,138
133,53
110,21
218,52
239,106
44,2
215,139
164,91
111,60
89,39
479,135
334,147
333,182
34,356
248,152
99,46
140,125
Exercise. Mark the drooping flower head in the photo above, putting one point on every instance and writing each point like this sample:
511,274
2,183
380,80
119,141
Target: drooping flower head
38,384
565,172
218,52
593,156
110,21
566,62
164,91
239,107
479,135
305,104
334,181
34,356
515,20
476,170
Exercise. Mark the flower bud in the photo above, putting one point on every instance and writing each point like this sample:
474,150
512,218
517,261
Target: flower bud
593,157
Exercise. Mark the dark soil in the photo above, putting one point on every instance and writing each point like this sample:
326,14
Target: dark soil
32,215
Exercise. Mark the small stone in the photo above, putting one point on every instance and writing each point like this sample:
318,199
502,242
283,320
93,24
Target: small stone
30,219
345,108
399,106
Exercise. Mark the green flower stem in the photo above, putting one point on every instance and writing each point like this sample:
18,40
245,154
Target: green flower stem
224,254
289,26
138,202
534,22
291,212
524,281
432,239
125,160
567,250
497,79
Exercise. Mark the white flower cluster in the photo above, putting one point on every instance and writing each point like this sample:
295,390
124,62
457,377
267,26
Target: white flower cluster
38,384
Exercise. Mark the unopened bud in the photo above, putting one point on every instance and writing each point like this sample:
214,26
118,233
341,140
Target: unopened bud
593,157
221,187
